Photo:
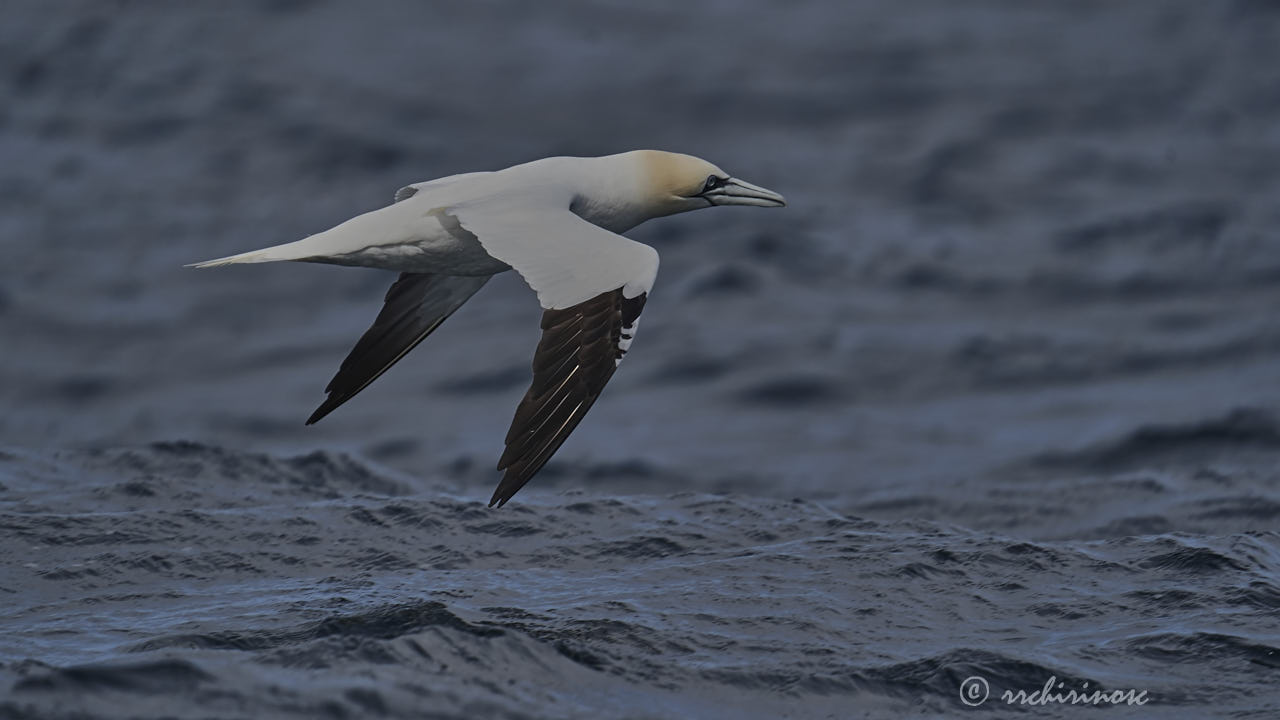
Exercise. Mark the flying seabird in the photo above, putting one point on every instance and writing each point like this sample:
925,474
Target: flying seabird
557,222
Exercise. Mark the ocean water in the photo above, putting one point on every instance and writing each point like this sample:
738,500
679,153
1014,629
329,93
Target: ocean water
997,396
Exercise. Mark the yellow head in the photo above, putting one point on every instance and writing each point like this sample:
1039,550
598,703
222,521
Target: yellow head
677,183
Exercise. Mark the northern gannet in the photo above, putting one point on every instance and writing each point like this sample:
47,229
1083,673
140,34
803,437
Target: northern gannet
556,221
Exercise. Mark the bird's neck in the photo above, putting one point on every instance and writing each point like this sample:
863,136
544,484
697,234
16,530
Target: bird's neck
611,193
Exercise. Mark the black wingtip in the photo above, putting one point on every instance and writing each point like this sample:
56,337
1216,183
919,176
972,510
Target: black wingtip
505,491
497,499
324,409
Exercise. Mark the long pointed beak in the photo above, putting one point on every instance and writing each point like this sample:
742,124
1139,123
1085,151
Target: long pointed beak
741,192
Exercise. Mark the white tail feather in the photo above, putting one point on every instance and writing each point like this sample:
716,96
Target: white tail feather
288,251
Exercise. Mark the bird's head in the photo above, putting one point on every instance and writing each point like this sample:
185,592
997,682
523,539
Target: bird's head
678,183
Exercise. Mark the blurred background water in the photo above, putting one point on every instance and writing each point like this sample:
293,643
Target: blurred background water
995,395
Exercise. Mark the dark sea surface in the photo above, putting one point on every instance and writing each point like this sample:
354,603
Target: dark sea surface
997,396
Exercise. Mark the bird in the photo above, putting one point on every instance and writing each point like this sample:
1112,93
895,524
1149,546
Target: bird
558,222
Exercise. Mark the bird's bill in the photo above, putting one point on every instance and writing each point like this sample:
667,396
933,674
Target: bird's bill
741,192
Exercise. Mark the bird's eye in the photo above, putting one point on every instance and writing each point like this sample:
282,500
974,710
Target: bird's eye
713,182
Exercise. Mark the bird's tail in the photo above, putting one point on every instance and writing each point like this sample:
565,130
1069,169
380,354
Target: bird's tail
299,250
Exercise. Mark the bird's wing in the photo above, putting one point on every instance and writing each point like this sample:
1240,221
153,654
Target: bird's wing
414,307
581,346
592,285
564,258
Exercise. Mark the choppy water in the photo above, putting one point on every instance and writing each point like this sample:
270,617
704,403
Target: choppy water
996,396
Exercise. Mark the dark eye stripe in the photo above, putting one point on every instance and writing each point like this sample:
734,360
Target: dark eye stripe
713,182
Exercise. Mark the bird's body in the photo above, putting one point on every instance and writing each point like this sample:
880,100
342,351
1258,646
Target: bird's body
555,221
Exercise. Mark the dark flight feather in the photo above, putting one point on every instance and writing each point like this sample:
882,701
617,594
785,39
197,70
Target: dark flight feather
581,347
414,307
